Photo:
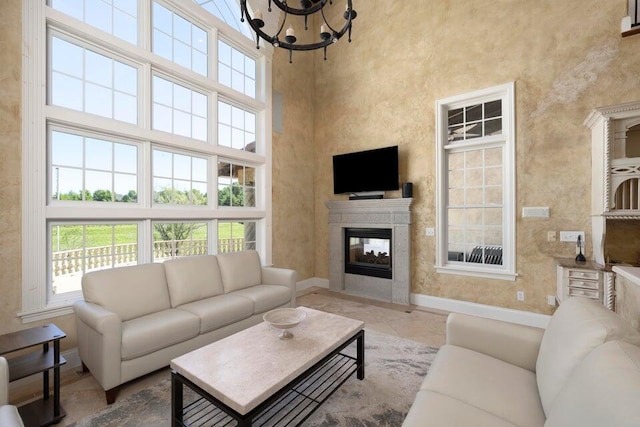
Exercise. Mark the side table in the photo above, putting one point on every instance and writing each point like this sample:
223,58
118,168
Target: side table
47,411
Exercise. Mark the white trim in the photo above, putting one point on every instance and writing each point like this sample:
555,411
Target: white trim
483,272
507,142
489,311
311,282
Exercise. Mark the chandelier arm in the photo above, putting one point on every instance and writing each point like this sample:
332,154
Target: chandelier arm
284,20
300,12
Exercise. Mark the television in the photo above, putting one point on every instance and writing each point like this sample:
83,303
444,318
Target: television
364,171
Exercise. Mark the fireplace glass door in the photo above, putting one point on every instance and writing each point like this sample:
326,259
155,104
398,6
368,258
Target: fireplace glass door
368,252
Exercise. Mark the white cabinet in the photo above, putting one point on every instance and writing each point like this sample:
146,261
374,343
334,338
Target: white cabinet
615,170
585,280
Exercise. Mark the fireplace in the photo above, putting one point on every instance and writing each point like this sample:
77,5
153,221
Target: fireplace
367,252
381,225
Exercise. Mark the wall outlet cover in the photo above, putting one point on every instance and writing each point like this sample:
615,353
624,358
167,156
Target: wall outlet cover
572,236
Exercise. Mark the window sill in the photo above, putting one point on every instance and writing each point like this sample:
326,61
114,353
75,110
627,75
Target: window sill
476,272
46,313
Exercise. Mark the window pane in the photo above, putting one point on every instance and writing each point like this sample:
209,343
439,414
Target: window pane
96,87
77,249
179,239
236,70
179,40
176,176
474,213
475,121
236,185
234,236
172,109
84,169
241,134
66,91
117,17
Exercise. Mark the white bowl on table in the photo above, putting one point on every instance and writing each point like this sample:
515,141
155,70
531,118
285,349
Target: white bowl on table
283,319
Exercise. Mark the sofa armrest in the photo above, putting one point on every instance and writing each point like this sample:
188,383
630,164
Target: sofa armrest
510,342
99,342
9,415
281,276
97,318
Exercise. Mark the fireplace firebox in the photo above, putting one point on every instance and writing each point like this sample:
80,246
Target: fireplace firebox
368,252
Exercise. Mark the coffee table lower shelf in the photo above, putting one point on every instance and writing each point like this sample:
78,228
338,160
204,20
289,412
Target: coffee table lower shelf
291,406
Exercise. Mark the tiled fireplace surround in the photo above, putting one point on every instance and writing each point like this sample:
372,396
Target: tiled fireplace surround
374,213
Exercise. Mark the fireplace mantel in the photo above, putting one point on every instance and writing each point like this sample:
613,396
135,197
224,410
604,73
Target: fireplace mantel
372,213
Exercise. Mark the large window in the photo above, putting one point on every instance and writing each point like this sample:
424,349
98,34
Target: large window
476,206
130,112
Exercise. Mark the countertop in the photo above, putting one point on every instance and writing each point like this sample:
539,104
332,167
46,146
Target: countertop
630,273
572,263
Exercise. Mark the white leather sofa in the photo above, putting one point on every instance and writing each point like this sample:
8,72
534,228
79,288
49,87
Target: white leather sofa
9,416
134,320
583,370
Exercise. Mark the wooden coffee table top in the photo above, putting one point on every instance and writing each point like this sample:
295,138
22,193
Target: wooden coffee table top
244,369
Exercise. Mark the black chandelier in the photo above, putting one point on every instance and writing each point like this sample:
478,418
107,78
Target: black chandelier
328,35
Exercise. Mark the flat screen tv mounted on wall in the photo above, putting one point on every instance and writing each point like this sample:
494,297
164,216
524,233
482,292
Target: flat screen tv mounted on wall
365,171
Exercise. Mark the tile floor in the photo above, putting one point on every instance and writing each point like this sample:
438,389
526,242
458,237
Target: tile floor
81,395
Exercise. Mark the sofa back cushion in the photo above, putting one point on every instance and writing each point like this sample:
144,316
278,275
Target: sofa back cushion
240,270
193,278
577,327
129,292
603,390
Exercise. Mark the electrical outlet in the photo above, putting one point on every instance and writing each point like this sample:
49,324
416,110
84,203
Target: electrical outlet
551,300
551,236
430,231
520,295
571,236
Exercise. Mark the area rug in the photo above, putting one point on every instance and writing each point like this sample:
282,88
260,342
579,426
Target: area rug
394,370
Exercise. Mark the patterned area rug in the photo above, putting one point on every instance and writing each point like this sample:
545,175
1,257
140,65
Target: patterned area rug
394,370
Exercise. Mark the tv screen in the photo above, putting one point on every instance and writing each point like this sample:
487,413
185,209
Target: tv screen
371,170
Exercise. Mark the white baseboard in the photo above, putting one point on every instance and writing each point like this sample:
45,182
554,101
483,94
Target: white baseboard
310,283
489,311
426,301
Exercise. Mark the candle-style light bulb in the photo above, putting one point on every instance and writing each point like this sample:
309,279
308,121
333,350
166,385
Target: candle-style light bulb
290,31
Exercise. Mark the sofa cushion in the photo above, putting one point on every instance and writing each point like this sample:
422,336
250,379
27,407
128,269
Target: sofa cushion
240,270
437,410
603,390
484,382
266,297
147,334
219,311
578,326
193,278
129,292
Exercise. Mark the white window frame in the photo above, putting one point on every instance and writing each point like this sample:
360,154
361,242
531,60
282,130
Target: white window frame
507,140
38,211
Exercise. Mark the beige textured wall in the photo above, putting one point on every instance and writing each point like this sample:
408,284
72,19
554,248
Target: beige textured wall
10,157
10,178
566,58
293,165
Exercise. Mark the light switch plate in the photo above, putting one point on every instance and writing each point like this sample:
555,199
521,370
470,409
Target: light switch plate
535,212
571,236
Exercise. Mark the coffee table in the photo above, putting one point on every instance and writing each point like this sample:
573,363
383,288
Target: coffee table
254,378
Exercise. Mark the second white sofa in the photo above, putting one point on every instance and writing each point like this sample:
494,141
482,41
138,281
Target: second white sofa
134,320
582,371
